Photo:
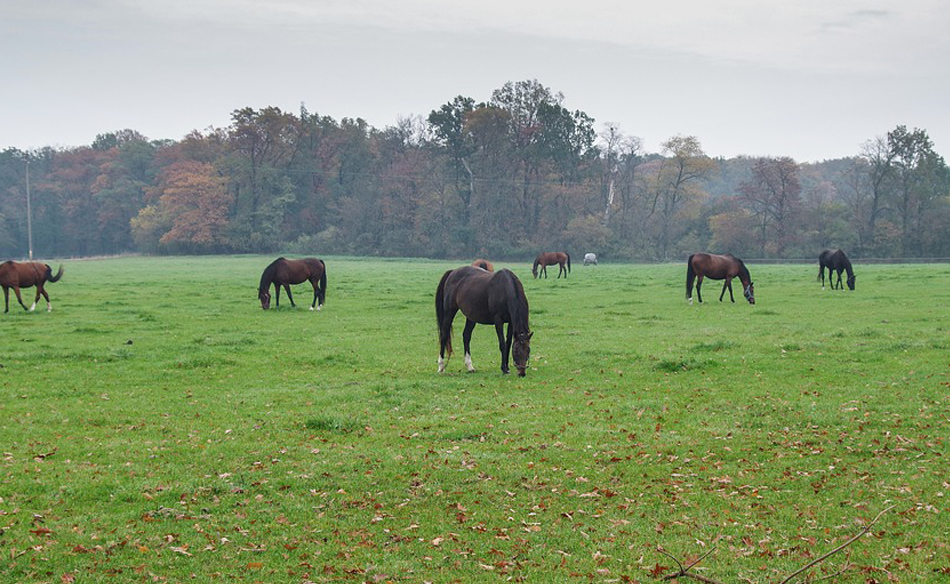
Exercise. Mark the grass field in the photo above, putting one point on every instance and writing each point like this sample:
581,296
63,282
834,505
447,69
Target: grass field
158,426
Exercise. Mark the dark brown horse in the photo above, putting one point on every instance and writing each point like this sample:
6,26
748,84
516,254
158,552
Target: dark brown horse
484,264
18,275
835,261
548,258
284,272
718,267
484,298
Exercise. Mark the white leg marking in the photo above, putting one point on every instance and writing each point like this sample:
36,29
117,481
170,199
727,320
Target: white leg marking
49,307
32,308
468,363
441,365
311,309
690,300
319,307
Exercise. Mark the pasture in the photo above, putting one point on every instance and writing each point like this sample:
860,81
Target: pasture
158,426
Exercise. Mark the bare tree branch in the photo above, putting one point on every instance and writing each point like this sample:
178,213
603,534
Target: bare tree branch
837,549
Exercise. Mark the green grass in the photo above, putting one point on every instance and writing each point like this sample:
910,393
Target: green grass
158,426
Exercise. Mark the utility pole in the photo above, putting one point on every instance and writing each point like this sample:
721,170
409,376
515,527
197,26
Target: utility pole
29,212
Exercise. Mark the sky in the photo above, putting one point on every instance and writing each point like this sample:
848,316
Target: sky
809,79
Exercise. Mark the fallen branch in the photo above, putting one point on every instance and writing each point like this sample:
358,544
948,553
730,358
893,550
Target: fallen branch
685,573
837,549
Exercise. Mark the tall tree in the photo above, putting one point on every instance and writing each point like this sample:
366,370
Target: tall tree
677,185
773,194
195,199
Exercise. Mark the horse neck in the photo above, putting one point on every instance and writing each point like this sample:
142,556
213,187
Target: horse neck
267,278
517,305
744,276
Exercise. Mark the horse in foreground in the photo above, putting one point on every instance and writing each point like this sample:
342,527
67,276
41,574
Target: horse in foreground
590,258
484,264
548,258
835,261
484,298
284,272
717,267
18,275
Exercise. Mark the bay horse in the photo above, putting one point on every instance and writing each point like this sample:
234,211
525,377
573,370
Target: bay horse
547,258
484,264
484,298
718,267
284,272
18,275
835,261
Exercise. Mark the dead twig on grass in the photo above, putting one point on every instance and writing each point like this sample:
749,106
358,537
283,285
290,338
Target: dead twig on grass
685,573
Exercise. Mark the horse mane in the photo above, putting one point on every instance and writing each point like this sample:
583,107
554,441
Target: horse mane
517,301
534,268
844,262
743,271
268,276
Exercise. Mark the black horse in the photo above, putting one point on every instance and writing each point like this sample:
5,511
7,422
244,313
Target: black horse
284,272
484,298
718,267
835,261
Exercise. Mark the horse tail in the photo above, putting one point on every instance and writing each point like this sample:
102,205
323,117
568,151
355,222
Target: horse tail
49,273
322,294
534,268
445,336
568,262
690,276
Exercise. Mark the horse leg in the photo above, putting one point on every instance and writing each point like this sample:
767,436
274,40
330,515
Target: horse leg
49,305
314,284
6,300
504,345
277,295
727,284
466,341
289,295
37,299
445,336
699,285
560,269
16,290
544,269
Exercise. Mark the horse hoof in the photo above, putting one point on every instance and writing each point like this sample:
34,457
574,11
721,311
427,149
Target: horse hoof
311,309
319,308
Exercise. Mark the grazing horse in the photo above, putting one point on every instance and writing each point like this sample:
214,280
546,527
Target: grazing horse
484,298
717,267
284,272
590,258
18,275
484,264
835,261
548,258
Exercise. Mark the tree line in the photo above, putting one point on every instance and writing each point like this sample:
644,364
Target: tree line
503,178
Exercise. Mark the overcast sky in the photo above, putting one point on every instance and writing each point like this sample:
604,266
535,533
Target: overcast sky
810,79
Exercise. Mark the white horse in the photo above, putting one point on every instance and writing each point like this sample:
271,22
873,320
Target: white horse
590,258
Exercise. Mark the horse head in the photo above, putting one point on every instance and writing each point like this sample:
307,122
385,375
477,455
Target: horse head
264,296
851,282
521,351
749,293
